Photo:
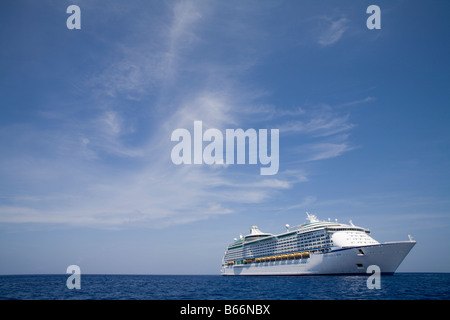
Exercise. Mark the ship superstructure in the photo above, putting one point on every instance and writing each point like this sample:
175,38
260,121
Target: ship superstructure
316,247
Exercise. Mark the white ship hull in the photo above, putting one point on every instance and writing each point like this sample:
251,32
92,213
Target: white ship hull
386,256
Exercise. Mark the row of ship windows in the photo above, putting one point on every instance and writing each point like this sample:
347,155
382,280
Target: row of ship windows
290,248
294,244
300,242
312,241
229,258
275,249
295,239
300,237
255,253
286,244
278,246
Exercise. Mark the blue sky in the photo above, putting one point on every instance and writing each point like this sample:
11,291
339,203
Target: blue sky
86,118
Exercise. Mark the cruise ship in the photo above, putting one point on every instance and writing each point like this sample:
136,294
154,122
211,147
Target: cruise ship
314,248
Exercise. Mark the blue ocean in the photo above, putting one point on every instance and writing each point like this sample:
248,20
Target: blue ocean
400,286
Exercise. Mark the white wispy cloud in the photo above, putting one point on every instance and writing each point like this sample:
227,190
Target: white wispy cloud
325,132
146,187
323,151
331,30
182,36
357,102
92,172
307,202
321,126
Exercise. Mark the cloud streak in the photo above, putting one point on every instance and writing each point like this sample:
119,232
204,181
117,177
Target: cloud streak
332,31
117,183
96,173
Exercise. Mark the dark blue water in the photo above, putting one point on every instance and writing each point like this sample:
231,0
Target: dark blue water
401,286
